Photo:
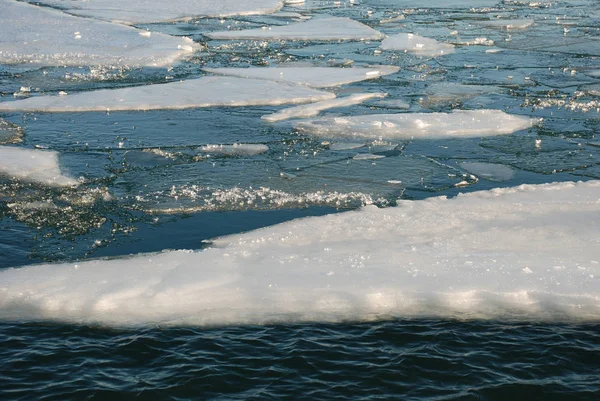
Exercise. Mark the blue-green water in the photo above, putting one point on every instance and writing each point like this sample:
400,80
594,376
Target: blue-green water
148,188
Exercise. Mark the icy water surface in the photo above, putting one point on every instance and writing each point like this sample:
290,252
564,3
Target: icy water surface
174,179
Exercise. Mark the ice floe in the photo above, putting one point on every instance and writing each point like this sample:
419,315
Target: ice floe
147,11
201,92
489,171
436,3
313,109
33,165
237,149
508,24
9,132
449,93
323,28
316,77
529,252
458,124
415,44
38,36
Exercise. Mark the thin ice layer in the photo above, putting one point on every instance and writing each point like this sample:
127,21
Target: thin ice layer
202,92
415,44
529,252
313,109
148,11
316,77
433,3
326,28
39,36
33,165
458,124
508,24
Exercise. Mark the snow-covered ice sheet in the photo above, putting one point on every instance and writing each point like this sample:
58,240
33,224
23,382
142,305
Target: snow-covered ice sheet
201,92
313,109
148,11
38,36
508,24
458,124
530,252
415,44
33,165
323,28
316,77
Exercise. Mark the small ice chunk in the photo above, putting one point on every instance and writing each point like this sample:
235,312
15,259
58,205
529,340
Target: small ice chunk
237,149
49,40
367,156
316,77
312,109
416,44
489,171
201,92
511,24
135,12
458,124
324,28
33,165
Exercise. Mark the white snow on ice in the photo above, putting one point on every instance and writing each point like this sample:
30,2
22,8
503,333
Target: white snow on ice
38,36
316,77
323,28
530,252
313,109
201,92
458,124
33,165
415,44
147,11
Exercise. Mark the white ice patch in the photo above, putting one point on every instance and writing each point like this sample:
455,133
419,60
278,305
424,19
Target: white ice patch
37,36
202,92
313,109
237,149
489,171
529,252
326,28
32,165
512,24
148,11
415,44
458,124
316,77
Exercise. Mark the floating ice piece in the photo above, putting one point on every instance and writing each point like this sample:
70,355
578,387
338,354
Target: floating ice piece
347,145
442,94
419,45
458,124
489,171
390,104
326,28
39,36
148,11
316,77
529,252
434,3
32,165
367,156
237,149
312,109
9,132
509,24
202,92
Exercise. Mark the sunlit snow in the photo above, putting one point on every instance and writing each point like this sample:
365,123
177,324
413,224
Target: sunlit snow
524,252
419,45
201,92
32,165
38,36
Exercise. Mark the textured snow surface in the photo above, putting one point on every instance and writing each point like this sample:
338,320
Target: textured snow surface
458,124
316,77
524,252
39,36
419,45
147,11
326,28
202,92
313,109
32,165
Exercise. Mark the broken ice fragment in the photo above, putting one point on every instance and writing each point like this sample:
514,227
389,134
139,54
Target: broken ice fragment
415,44
33,165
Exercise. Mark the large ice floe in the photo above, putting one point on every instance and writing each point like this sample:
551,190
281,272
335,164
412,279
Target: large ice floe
415,44
321,28
458,124
148,11
33,165
38,36
201,92
530,252
316,77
